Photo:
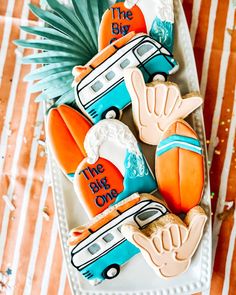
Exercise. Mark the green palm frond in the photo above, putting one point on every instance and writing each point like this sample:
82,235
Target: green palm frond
69,38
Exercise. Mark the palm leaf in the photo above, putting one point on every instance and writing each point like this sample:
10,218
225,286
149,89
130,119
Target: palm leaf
48,70
51,34
51,92
70,18
50,57
52,81
66,98
58,23
82,16
69,38
49,46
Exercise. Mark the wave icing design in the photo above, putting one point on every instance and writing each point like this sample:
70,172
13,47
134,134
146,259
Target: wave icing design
135,166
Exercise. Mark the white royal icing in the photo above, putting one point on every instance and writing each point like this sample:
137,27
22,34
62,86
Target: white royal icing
130,3
165,10
109,130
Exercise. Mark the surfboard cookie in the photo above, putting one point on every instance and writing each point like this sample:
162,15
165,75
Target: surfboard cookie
66,130
168,243
156,105
179,167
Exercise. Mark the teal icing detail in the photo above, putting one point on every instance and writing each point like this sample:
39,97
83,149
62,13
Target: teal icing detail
163,32
182,138
138,177
179,141
71,176
118,255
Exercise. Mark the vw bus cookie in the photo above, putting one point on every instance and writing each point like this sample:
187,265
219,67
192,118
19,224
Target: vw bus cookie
98,249
156,105
112,140
66,130
100,89
180,167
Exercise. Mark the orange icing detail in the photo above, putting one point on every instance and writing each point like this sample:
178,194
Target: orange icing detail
97,185
66,130
80,72
82,232
180,172
118,21
168,244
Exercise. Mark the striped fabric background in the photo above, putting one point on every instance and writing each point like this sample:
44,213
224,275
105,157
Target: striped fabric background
29,242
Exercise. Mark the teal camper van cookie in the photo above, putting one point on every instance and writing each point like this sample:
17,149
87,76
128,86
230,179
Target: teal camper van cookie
99,86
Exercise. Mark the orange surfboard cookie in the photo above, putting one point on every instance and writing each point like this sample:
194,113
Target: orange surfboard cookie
118,21
179,167
97,185
66,130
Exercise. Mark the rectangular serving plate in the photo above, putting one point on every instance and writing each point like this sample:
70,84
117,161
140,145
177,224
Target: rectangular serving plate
136,276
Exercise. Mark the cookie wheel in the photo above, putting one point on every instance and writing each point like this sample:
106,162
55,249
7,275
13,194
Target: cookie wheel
160,76
111,271
111,113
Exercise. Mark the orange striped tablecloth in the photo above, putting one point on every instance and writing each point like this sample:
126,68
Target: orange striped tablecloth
29,244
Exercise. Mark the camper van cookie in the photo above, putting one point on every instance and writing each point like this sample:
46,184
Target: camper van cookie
100,88
66,132
98,249
156,105
118,21
180,167
112,140
97,185
168,243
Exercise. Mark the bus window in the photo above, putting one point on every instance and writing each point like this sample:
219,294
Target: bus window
125,63
144,49
110,75
94,248
147,214
108,237
97,86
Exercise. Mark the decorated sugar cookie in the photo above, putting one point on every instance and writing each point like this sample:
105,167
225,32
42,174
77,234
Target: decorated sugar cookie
180,167
156,105
100,89
98,185
98,249
168,243
118,21
112,140
159,19
66,130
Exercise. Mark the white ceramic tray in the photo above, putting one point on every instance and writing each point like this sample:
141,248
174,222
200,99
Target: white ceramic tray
136,276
